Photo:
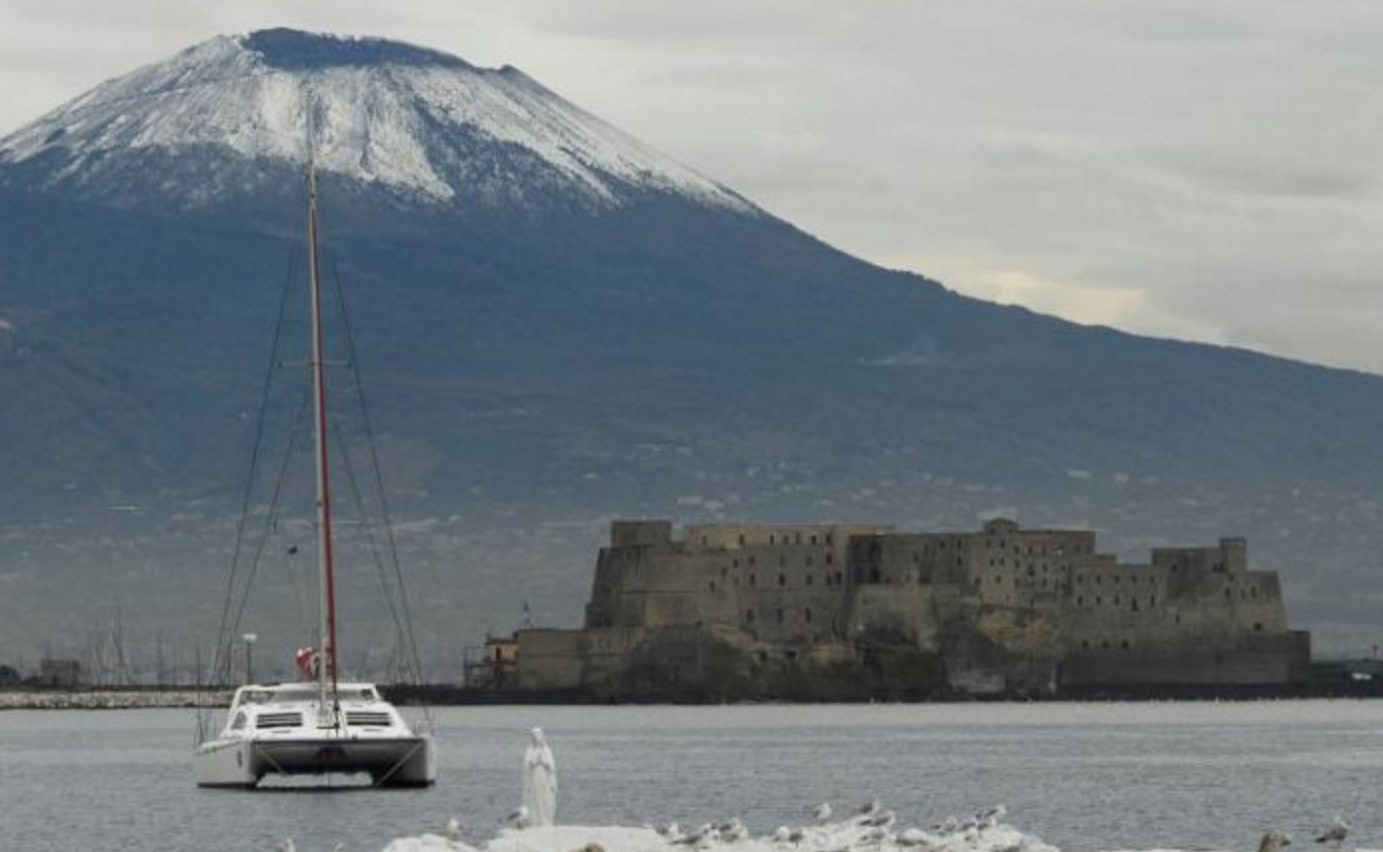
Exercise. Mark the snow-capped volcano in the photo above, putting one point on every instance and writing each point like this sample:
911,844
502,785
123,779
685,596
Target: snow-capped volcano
420,123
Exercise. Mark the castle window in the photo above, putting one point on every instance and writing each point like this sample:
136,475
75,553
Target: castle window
1178,618
741,539
813,538
782,579
1152,600
1133,604
1228,593
713,585
1085,643
1116,600
780,616
1080,601
807,615
749,616
809,579
771,539
1098,600
1104,643
725,572
840,577
753,580
828,538
1258,626
751,562
828,558
1124,644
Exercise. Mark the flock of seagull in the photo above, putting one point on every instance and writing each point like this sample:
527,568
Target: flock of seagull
870,828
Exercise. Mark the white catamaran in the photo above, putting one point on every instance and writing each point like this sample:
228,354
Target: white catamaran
320,725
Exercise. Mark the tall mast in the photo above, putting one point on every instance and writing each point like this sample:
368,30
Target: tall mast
326,672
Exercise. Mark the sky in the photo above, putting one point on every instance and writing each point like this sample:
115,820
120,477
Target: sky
1200,169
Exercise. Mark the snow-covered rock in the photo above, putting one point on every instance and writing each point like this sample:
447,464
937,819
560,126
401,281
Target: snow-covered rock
419,122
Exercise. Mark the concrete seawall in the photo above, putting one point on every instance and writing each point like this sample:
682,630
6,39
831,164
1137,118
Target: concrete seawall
111,699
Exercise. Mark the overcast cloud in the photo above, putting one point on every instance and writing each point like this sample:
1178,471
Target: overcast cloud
1187,168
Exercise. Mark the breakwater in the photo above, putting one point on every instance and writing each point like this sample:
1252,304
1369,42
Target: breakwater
110,699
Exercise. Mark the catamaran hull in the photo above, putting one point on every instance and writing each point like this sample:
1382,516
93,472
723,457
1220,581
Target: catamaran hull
393,762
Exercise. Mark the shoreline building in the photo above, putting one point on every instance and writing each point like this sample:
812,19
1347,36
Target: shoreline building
851,611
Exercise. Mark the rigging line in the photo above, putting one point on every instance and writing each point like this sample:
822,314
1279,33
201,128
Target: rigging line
371,541
257,446
272,515
378,475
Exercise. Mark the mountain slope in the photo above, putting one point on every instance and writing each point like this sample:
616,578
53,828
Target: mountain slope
556,325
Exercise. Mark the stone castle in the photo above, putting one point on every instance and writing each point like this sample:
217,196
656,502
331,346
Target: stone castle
854,611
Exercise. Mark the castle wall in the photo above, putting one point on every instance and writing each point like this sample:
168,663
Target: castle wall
575,659
781,584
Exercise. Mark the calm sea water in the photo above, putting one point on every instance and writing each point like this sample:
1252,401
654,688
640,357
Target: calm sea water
1080,776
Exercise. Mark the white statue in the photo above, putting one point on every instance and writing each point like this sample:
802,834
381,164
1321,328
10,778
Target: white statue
539,780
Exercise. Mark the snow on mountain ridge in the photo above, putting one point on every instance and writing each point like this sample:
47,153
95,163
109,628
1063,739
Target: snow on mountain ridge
384,112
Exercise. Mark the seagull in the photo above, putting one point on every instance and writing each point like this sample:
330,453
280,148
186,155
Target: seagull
518,818
732,830
668,830
797,835
870,808
453,829
1273,841
285,845
705,832
781,834
881,818
950,825
991,817
1334,834
912,837
822,812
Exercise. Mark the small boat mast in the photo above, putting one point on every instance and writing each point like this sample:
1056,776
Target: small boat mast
329,697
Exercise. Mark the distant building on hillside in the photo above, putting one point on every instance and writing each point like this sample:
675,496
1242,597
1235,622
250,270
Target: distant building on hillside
833,610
